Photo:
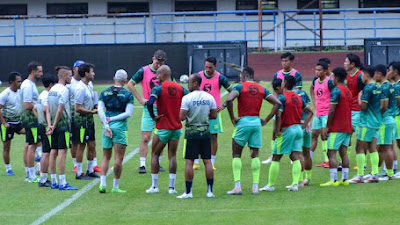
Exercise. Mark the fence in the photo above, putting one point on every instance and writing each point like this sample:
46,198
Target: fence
344,27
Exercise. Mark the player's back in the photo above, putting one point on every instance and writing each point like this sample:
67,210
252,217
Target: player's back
371,117
341,121
169,104
292,105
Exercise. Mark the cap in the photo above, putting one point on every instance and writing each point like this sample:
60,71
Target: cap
78,63
121,75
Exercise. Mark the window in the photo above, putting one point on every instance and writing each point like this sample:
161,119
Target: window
378,4
326,4
188,6
128,7
13,9
253,5
67,8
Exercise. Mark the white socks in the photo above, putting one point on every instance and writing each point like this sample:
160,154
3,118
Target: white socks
103,180
172,178
142,161
345,174
32,173
79,168
90,166
27,172
75,162
197,161
94,161
8,167
54,179
116,183
311,154
213,157
394,164
63,181
43,177
237,184
154,178
333,173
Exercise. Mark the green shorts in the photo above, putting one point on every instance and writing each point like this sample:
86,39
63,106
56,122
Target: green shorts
306,139
397,127
168,135
250,135
355,121
367,134
335,140
386,134
319,122
148,124
119,136
216,125
290,141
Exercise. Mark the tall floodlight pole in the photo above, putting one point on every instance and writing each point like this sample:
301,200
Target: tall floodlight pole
260,25
321,47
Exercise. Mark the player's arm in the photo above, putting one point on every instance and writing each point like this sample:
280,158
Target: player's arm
79,99
312,91
334,100
59,113
229,103
276,105
183,114
277,127
384,99
228,87
125,115
155,94
102,114
28,99
47,116
138,77
309,116
299,80
2,120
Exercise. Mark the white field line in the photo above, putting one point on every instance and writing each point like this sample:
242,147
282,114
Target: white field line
81,192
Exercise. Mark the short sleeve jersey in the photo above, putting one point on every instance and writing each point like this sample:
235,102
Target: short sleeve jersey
396,87
306,99
222,82
115,100
371,117
43,101
198,105
169,96
11,102
297,76
389,95
292,107
59,95
342,98
84,95
29,93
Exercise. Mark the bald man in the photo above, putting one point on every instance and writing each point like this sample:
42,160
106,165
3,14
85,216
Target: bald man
168,95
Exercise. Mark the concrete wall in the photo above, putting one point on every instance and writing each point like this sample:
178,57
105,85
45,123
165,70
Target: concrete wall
77,28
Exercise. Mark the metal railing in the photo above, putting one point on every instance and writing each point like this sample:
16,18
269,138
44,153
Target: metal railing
279,28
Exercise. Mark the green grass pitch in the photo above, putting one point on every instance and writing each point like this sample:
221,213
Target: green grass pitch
23,203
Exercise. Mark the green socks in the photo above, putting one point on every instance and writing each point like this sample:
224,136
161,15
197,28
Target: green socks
273,173
308,174
390,172
296,171
325,150
301,176
237,167
360,163
374,162
255,167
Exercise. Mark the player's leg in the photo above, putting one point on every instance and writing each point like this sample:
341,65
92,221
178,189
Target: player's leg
62,155
214,148
44,161
374,157
172,147
91,152
144,146
53,167
192,148
156,149
74,146
296,169
255,143
6,157
105,162
332,169
215,129
107,145
119,158
205,152
32,140
307,157
345,163
236,166
25,159
79,159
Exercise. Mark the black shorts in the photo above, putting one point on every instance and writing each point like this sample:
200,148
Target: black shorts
60,140
8,133
45,139
81,135
196,147
32,135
